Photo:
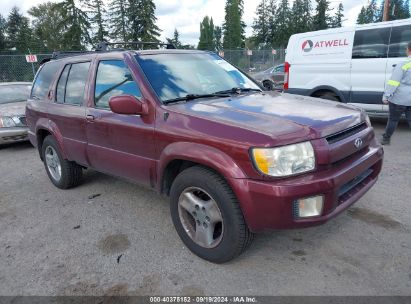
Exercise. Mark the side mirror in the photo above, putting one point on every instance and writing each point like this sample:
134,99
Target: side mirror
127,105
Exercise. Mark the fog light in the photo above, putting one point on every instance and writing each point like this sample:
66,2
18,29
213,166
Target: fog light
309,207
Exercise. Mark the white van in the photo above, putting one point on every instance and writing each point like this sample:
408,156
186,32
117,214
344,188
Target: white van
348,64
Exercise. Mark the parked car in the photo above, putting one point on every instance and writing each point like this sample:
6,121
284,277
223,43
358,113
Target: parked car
234,160
271,79
13,97
349,64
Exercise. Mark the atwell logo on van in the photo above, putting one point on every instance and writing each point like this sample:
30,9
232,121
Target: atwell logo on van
309,45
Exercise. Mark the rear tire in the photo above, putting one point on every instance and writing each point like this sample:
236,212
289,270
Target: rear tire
204,187
330,96
63,174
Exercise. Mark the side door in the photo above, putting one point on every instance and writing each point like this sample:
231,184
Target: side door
121,145
397,54
67,113
369,63
278,76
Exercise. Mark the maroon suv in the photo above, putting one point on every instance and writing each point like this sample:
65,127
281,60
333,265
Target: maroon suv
233,159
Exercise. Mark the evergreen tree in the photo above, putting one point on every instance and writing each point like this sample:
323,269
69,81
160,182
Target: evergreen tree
361,19
143,21
75,25
282,25
301,17
207,34
261,24
322,18
96,11
338,18
118,20
45,23
218,38
18,31
2,33
233,27
369,13
272,11
175,40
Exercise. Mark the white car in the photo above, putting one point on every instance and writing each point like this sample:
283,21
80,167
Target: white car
348,64
13,97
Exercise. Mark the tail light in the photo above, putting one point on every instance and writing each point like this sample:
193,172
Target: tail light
286,75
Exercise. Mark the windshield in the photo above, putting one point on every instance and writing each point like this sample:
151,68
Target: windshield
14,93
177,75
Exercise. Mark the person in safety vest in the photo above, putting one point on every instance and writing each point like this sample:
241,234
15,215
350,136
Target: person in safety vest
398,96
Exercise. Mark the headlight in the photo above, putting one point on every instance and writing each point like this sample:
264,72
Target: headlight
6,122
285,161
367,120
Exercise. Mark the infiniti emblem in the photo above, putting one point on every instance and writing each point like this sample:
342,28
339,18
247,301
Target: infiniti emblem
358,143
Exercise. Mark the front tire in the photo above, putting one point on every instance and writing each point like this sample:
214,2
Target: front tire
268,85
63,174
207,215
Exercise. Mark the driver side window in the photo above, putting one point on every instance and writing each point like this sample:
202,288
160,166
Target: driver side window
113,79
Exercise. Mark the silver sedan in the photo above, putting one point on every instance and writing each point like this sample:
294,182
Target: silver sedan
13,97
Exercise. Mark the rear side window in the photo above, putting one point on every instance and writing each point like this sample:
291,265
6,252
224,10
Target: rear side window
72,83
113,79
371,43
400,37
44,79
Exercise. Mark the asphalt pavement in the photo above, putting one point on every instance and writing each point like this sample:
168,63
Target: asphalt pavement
112,237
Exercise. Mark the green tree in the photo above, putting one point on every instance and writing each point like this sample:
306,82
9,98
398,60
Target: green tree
75,24
143,21
47,33
207,34
338,18
18,31
97,13
233,27
175,40
218,37
261,24
369,13
2,33
282,24
301,17
118,20
322,17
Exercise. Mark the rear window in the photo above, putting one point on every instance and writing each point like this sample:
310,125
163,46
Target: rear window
72,83
371,43
14,93
44,79
400,37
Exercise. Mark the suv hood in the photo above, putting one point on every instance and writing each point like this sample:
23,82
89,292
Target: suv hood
281,116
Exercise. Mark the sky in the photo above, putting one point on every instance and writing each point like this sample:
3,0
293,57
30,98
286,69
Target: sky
186,15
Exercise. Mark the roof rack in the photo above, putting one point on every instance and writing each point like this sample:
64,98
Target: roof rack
105,46
108,47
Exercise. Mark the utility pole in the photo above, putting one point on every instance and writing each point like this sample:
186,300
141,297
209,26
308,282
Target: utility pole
386,16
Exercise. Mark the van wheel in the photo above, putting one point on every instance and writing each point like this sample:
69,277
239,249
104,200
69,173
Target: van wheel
330,96
63,174
268,85
207,215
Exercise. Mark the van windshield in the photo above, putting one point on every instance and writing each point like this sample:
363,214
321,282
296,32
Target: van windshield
177,75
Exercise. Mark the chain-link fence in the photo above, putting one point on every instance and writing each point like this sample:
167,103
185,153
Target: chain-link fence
14,67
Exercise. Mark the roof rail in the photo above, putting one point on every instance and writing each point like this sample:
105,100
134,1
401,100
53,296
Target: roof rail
105,46
59,55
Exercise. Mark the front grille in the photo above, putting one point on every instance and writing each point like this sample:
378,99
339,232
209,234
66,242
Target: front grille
353,186
346,133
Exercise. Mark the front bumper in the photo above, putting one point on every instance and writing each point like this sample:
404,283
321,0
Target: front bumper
13,135
269,205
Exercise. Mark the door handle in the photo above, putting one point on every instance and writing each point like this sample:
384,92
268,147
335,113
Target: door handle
90,118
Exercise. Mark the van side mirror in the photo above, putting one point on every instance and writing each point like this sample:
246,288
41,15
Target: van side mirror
127,105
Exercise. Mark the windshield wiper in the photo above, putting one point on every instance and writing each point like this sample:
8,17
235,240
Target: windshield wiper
238,91
196,96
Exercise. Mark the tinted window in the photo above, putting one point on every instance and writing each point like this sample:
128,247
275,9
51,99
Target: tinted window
113,79
14,93
400,37
61,86
76,83
44,79
371,43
